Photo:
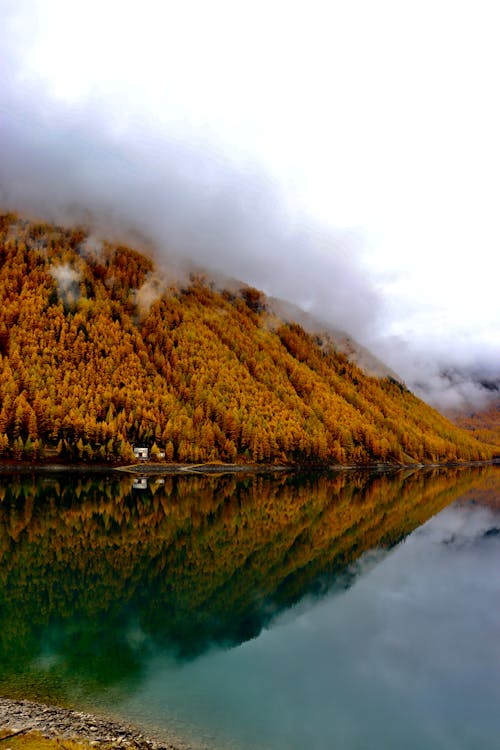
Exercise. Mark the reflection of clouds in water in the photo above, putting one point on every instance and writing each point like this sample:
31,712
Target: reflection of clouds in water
47,662
461,524
408,657
367,562
136,638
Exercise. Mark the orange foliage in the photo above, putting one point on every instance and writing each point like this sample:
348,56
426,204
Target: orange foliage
85,372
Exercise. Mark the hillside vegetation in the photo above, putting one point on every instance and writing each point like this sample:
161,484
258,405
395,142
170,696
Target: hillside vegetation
97,355
484,423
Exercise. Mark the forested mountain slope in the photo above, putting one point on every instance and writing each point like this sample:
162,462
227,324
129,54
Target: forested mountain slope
97,355
484,423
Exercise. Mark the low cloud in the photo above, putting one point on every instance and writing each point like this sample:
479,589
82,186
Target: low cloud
67,279
149,293
448,375
190,203
102,163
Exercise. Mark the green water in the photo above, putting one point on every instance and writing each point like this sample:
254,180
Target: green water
350,610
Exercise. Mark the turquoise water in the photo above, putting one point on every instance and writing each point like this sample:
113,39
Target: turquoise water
259,613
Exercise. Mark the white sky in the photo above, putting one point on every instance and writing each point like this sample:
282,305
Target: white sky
379,119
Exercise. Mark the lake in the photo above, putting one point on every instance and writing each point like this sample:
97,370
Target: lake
348,610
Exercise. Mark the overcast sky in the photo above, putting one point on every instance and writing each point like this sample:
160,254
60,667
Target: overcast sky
344,155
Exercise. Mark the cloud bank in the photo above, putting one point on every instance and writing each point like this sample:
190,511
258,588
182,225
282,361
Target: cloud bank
192,204
167,124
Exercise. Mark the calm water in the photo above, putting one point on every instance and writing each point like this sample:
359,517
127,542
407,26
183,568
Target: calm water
349,611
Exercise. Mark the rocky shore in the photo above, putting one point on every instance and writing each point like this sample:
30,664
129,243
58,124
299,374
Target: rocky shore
52,721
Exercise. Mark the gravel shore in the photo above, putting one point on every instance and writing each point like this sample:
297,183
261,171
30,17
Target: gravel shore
52,721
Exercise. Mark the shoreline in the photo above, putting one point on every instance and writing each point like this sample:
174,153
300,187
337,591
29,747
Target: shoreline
55,722
164,469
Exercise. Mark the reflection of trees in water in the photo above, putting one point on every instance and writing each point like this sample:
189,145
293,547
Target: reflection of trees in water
96,572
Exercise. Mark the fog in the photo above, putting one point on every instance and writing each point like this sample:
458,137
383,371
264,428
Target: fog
448,374
193,206
221,158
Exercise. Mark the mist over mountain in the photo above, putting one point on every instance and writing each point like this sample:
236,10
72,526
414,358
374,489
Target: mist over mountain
451,377
479,385
99,352
355,205
194,211
194,207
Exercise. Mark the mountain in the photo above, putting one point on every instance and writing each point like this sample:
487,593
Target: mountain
479,391
332,337
99,352
483,423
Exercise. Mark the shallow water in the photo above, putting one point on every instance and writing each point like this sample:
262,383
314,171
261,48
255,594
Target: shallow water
260,613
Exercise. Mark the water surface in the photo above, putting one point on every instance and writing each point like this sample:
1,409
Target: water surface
352,610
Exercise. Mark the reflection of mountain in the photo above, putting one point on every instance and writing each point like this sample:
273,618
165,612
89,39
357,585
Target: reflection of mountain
96,572
487,494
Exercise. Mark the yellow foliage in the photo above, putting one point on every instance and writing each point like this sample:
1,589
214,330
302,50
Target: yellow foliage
199,374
